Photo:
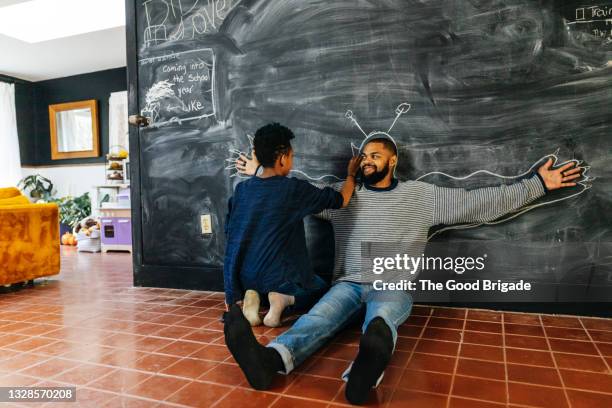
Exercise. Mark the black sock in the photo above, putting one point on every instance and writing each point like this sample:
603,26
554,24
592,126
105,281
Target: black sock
258,363
375,349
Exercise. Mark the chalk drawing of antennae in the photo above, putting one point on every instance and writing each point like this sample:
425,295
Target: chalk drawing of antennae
399,111
349,114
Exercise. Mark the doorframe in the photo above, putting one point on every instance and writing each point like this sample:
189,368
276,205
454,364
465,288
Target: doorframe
131,38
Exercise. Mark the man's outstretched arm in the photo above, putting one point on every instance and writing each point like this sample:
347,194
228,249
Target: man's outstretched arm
457,205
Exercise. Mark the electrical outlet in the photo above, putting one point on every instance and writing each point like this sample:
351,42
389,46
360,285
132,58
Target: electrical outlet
206,224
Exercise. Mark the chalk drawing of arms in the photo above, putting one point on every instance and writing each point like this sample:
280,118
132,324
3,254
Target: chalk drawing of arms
244,164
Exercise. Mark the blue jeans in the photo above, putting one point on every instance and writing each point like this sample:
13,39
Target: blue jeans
336,309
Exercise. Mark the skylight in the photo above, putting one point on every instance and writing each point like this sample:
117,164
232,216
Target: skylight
42,20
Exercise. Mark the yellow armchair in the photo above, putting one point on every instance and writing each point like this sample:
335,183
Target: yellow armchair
29,238
9,192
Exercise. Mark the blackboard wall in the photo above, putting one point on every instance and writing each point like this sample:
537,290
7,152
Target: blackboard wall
32,100
493,85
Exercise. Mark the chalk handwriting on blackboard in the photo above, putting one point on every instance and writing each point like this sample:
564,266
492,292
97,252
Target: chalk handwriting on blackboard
181,86
595,20
171,20
593,13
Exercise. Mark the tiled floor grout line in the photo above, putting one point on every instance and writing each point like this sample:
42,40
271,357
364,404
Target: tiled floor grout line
276,399
225,385
452,384
339,388
597,348
569,404
431,310
112,349
222,398
29,366
152,373
149,306
232,388
110,332
522,313
136,370
186,317
503,327
205,344
87,387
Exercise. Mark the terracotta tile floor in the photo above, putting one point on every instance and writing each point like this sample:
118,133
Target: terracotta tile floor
124,346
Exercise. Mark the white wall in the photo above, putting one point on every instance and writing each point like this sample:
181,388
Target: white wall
70,180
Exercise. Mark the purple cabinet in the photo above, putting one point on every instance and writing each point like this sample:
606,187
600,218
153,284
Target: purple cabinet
116,231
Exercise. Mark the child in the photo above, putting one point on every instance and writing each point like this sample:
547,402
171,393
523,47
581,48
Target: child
266,247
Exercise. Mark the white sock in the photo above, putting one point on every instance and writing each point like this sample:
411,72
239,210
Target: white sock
278,303
250,307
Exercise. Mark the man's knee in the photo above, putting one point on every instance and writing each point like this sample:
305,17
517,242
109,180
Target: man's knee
335,307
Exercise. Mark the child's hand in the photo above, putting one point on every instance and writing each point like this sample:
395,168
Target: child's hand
353,166
247,166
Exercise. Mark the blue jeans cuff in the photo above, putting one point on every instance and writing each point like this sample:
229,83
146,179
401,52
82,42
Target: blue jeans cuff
285,356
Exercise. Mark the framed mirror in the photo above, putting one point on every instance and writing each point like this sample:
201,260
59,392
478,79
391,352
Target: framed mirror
74,130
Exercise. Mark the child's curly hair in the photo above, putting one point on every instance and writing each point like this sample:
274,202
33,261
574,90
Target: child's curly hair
270,142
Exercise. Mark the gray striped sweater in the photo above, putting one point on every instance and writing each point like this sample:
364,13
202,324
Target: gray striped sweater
405,213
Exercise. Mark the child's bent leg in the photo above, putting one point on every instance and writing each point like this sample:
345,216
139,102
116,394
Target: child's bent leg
306,297
250,307
338,307
295,297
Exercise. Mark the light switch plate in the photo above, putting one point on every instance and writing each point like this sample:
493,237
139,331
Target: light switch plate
206,224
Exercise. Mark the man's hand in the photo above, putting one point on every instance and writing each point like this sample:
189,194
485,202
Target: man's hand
560,177
247,166
353,166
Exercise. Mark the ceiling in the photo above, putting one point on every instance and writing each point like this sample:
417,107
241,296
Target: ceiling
62,57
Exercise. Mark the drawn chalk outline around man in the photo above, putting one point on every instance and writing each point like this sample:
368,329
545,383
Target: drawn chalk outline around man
239,161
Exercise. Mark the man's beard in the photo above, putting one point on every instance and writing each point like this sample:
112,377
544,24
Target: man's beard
375,176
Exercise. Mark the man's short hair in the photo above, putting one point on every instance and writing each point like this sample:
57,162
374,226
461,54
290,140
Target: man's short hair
389,145
270,142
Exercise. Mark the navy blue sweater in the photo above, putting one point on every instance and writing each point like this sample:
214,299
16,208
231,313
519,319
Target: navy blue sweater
266,245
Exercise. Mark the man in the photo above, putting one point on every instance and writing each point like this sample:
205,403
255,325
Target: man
384,210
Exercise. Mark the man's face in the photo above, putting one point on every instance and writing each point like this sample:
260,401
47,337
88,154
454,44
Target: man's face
377,162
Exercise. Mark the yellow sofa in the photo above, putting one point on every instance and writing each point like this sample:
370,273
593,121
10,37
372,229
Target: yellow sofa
29,238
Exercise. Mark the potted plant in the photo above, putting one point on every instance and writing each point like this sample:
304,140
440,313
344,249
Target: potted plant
39,187
72,210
